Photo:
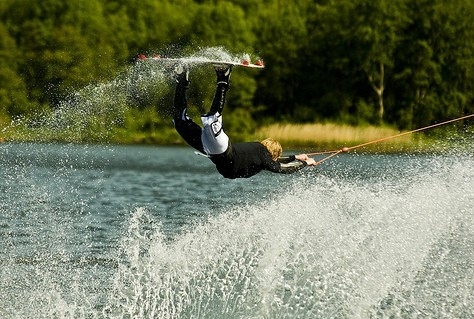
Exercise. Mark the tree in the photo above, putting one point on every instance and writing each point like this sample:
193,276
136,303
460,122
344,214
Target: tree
13,101
213,28
353,44
333,55
434,77
379,32
281,29
64,45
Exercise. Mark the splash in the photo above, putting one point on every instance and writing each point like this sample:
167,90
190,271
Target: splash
207,54
324,246
331,250
91,113
88,114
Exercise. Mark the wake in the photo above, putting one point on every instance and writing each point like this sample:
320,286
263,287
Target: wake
332,243
335,249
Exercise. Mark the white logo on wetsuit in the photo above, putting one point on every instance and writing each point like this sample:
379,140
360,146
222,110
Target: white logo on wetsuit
216,128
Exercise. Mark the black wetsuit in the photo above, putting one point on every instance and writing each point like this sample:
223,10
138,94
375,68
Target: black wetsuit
240,160
247,159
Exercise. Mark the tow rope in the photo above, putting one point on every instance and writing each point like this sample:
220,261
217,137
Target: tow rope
347,149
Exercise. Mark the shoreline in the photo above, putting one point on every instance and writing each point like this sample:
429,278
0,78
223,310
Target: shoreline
305,137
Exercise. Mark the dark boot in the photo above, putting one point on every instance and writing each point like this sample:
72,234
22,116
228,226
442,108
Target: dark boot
223,72
181,74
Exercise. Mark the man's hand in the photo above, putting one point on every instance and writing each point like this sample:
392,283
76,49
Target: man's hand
310,161
304,158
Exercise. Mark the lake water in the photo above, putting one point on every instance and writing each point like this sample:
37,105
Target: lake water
155,232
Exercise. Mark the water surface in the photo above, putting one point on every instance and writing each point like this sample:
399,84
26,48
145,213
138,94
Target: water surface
155,232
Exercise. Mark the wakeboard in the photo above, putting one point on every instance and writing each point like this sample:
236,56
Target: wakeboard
202,60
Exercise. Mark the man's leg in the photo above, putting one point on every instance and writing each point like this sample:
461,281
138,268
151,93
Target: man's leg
213,136
182,84
214,139
189,131
223,80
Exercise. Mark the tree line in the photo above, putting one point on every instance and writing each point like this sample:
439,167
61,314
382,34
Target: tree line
404,63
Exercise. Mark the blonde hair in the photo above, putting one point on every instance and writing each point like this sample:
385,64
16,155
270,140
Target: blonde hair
273,147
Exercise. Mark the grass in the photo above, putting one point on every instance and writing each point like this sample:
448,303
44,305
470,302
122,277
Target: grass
307,137
336,136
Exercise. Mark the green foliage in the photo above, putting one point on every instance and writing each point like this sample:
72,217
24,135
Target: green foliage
222,24
146,127
434,76
239,124
402,63
12,87
282,34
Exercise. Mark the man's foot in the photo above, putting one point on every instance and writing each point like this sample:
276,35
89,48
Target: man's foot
181,74
223,72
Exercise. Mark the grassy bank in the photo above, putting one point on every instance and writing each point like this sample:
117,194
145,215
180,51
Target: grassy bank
331,136
307,137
